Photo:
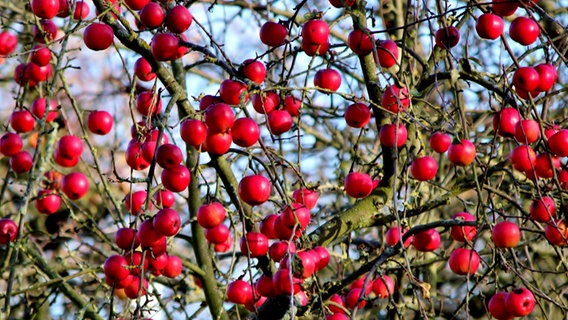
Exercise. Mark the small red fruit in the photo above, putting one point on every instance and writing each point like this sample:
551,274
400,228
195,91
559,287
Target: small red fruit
506,234
75,185
361,42
328,79
245,132
255,244
254,189
8,231
358,184
505,121
98,36
239,292
100,122
543,209
279,122
463,233
357,115
447,37
167,222
489,26
496,306
464,261
391,137
387,51
178,19
520,302
233,91
176,179
383,286
395,98
524,30
211,215
273,34
394,234
427,240
424,168
462,153
254,70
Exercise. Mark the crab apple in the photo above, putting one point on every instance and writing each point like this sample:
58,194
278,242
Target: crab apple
232,91
267,226
22,121
100,122
69,147
165,46
524,30
156,264
125,239
173,267
390,137
38,109
167,222
395,98
164,198
81,11
147,235
75,185
546,76
383,286
116,268
358,184
283,231
306,264
464,261
169,156
135,202
218,234
45,9
328,79
63,161
193,132
355,298
463,233
357,115
10,144
143,70
46,32
520,302
239,292
8,43
283,283
440,142
523,158
315,32
254,189
134,157
504,8
279,122
176,179
225,245
297,215
496,306
360,41
505,121
462,153
527,131
387,52
159,247
556,232
265,102
273,34
307,197
98,36
136,288
424,168
558,143
8,230
263,286
136,4
315,49
211,215
21,162
254,244
447,37
394,234
254,70
526,79
489,26
148,103
218,143
506,234
47,201
21,75
336,304
178,19
152,15
542,209
427,240
219,117
545,167
292,105
40,55
322,257
207,100
245,132
342,3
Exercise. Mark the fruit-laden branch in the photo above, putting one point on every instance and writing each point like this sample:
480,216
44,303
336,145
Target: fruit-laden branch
130,39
